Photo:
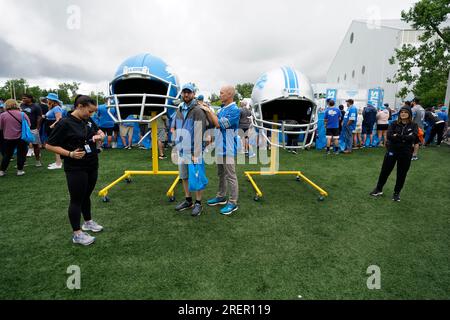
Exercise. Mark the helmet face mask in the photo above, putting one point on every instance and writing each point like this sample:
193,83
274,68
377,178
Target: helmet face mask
143,84
283,102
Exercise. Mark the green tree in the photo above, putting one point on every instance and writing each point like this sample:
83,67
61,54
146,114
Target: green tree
245,89
36,92
14,88
424,68
99,97
68,91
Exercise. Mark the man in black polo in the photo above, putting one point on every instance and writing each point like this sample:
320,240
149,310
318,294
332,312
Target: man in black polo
34,112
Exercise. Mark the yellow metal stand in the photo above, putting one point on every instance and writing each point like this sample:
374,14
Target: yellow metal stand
274,171
155,166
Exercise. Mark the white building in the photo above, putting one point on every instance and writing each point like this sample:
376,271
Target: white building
362,60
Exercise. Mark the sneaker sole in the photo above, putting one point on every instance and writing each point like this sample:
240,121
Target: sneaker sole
377,194
84,244
228,213
95,231
179,210
196,215
217,203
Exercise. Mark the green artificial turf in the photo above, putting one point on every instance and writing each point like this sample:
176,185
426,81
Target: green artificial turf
287,245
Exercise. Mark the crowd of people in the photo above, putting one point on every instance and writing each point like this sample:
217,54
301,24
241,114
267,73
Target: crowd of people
76,137
400,133
357,128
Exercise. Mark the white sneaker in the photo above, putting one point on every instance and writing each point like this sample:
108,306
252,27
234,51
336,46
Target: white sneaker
83,238
38,164
54,167
2,173
91,226
51,164
20,172
30,153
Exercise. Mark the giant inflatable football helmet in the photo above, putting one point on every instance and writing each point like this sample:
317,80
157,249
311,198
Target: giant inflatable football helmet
280,96
142,84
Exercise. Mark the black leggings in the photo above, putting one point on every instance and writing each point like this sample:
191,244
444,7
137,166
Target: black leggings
403,161
292,140
437,129
8,151
80,184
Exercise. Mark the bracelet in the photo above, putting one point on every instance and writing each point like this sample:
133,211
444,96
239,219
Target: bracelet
70,154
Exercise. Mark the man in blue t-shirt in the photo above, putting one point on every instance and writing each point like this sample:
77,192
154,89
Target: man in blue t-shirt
127,129
106,123
369,119
332,119
226,149
443,115
349,124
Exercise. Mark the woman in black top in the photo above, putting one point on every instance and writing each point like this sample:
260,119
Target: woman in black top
401,137
74,138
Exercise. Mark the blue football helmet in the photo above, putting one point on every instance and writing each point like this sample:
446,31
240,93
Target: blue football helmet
142,84
283,103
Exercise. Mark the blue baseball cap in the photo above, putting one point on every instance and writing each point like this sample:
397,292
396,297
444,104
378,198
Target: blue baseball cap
54,97
201,97
188,86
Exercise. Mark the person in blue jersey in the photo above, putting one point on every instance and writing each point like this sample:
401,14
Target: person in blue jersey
332,119
369,116
348,125
106,123
443,115
189,126
53,116
127,129
226,150
74,138
437,127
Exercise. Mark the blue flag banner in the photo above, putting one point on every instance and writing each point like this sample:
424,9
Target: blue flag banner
332,94
375,97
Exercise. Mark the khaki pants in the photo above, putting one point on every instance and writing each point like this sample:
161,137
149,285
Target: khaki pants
227,177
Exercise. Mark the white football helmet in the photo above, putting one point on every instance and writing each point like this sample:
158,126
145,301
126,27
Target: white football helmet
142,84
280,96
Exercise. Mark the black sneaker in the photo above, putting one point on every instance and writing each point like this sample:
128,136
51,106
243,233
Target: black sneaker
396,197
184,205
376,193
197,210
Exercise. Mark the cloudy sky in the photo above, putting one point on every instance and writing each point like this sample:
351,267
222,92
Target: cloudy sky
209,42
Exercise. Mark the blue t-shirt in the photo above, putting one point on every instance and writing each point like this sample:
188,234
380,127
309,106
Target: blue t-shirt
185,107
442,116
130,117
95,119
351,114
332,115
226,136
104,119
51,114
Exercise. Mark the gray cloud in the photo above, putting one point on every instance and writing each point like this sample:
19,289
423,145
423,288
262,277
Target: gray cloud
20,64
208,42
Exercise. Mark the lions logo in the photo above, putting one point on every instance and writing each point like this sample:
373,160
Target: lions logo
261,82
